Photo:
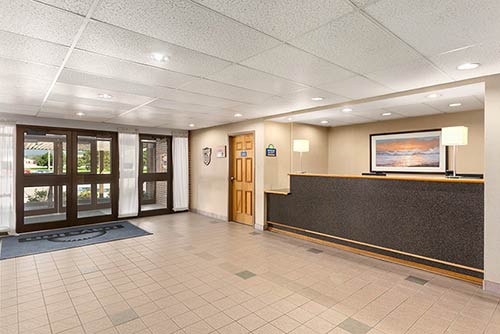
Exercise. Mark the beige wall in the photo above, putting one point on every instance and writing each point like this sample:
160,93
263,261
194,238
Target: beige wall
276,169
210,184
316,160
492,186
349,146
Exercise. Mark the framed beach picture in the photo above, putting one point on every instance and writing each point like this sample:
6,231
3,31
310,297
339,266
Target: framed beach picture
408,152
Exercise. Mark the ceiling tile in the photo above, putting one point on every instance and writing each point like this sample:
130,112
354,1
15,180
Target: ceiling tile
356,88
414,110
37,20
69,110
71,115
187,107
120,69
376,114
77,78
83,92
357,44
90,80
13,68
80,7
24,98
125,44
245,77
91,102
213,88
186,24
32,50
18,109
487,54
468,103
433,27
283,19
289,62
363,3
416,74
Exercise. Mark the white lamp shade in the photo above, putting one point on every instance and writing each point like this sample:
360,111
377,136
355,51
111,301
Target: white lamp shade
301,145
454,135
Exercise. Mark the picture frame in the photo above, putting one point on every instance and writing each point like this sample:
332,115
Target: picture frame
408,152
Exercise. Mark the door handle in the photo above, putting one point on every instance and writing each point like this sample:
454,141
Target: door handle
232,178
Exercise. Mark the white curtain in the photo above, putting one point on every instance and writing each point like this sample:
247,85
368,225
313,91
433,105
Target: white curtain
7,176
181,173
128,146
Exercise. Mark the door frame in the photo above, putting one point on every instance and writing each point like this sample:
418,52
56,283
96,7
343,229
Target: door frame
230,169
69,179
169,177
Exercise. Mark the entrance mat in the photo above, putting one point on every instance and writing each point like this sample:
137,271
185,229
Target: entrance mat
42,242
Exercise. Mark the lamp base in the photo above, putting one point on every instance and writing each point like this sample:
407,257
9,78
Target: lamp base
300,172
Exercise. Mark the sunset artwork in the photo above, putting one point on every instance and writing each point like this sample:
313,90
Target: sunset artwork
408,152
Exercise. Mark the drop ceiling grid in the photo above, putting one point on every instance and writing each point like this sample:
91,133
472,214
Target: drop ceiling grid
221,60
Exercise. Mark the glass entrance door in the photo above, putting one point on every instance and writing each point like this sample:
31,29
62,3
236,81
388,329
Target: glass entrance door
155,175
64,178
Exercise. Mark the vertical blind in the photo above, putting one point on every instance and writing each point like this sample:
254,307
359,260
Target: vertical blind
181,173
7,175
128,146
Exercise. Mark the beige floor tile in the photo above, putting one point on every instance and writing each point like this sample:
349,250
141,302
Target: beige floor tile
182,279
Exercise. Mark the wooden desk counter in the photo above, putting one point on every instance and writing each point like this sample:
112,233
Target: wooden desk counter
393,177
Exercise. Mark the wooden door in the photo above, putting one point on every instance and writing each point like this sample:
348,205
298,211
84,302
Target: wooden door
242,178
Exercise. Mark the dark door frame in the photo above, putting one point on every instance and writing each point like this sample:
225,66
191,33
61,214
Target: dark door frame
70,179
152,177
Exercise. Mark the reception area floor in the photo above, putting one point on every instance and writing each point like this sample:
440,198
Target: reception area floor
200,275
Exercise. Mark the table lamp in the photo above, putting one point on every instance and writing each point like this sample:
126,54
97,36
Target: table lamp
301,146
454,136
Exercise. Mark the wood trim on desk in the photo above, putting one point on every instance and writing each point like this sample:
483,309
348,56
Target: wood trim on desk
277,192
444,272
380,247
397,178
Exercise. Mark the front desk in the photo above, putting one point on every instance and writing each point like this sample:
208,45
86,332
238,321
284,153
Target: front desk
432,223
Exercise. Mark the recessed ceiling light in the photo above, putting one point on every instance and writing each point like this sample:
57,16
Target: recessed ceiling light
290,119
160,57
433,95
80,114
317,98
458,104
191,125
386,113
104,96
324,122
238,115
346,110
468,66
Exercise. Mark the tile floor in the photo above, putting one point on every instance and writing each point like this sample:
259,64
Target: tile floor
198,276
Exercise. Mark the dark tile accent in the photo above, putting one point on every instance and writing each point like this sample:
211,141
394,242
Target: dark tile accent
123,317
245,274
417,280
354,326
315,250
88,270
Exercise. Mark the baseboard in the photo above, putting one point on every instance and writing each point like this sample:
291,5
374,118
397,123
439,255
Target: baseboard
209,214
492,287
440,271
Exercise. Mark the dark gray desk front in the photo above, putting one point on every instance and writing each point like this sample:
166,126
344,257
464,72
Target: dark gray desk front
433,223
